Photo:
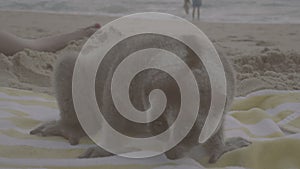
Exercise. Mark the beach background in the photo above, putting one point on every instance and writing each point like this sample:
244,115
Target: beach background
238,11
260,38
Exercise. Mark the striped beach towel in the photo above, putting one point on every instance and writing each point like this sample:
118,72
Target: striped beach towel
268,118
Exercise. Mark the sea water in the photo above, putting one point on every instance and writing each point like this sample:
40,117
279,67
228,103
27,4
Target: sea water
241,11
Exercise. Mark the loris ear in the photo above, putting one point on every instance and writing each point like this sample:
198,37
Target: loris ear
191,56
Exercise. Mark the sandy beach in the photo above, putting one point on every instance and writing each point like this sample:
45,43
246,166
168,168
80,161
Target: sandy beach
264,56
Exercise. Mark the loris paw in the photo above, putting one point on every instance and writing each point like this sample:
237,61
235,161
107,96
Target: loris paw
95,152
175,153
236,142
56,128
230,145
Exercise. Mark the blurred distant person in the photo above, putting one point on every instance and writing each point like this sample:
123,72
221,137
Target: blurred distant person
186,6
196,5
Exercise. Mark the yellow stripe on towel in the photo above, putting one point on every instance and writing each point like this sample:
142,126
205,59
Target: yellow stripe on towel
31,152
255,116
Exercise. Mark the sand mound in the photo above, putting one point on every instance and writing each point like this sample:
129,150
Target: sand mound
269,69
32,70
